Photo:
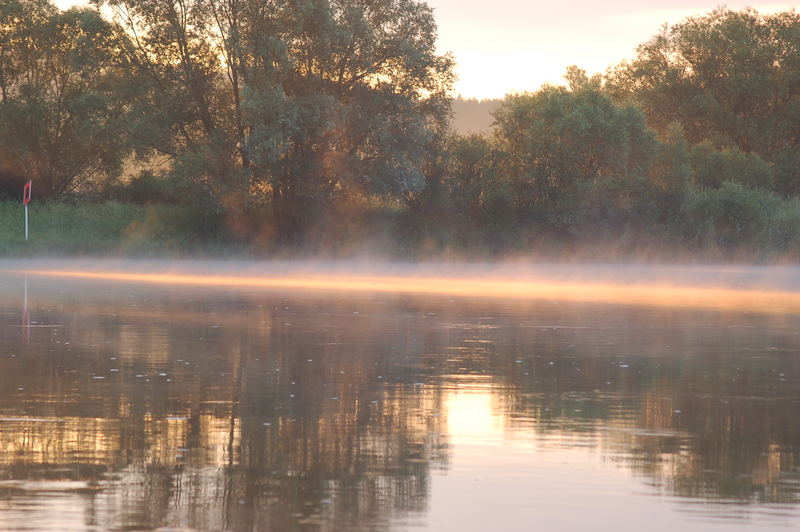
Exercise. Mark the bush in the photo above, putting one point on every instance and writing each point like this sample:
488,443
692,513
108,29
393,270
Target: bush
712,167
783,232
141,189
730,217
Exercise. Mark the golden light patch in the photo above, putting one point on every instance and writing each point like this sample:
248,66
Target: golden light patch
662,295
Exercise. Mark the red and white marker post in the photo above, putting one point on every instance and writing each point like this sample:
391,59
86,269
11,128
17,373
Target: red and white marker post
26,198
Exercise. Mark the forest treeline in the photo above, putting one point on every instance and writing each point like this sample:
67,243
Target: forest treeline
326,125
472,115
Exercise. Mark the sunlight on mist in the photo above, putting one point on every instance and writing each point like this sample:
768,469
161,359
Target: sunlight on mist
646,293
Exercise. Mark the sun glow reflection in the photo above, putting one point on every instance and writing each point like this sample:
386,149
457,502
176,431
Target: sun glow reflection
645,294
470,418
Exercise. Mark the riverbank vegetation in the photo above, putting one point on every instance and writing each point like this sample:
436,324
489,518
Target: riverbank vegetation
324,127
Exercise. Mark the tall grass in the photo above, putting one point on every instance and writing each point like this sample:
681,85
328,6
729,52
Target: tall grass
733,222
110,228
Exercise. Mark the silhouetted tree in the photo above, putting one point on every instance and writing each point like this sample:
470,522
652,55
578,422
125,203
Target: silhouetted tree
59,106
731,78
558,137
288,103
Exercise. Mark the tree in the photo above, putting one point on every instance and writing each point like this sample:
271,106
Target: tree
59,111
479,202
557,137
669,176
288,102
729,77
712,167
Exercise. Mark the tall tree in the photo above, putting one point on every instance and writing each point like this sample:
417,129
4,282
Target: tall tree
729,77
59,109
558,137
289,101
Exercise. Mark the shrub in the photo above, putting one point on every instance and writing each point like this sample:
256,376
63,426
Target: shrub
712,167
727,218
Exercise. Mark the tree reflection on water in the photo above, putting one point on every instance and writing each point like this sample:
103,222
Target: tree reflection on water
227,410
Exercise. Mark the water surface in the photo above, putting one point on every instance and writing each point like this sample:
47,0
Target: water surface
138,406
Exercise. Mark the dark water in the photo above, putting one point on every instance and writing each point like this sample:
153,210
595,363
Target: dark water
137,407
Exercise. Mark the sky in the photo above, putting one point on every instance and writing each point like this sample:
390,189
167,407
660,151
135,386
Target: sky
503,46
517,45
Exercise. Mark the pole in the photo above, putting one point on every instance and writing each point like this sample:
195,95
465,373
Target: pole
26,198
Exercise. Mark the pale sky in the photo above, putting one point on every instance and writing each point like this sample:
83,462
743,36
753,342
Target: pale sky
514,45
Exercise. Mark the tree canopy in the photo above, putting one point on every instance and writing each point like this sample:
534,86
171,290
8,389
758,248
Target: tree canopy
731,78
287,121
558,136
60,105
288,102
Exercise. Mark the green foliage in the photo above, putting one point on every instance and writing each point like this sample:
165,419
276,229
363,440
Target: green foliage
142,189
786,172
469,172
607,207
478,203
669,174
712,167
729,217
557,138
782,235
731,78
59,112
731,221
289,103
317,125
109,228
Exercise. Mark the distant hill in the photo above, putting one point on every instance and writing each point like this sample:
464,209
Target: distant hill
471,115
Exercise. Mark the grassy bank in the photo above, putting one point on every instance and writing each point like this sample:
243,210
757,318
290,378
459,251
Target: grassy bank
109,228
120,229
733,223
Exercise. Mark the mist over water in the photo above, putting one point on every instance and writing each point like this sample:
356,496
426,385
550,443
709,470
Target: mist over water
139,404
760,289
